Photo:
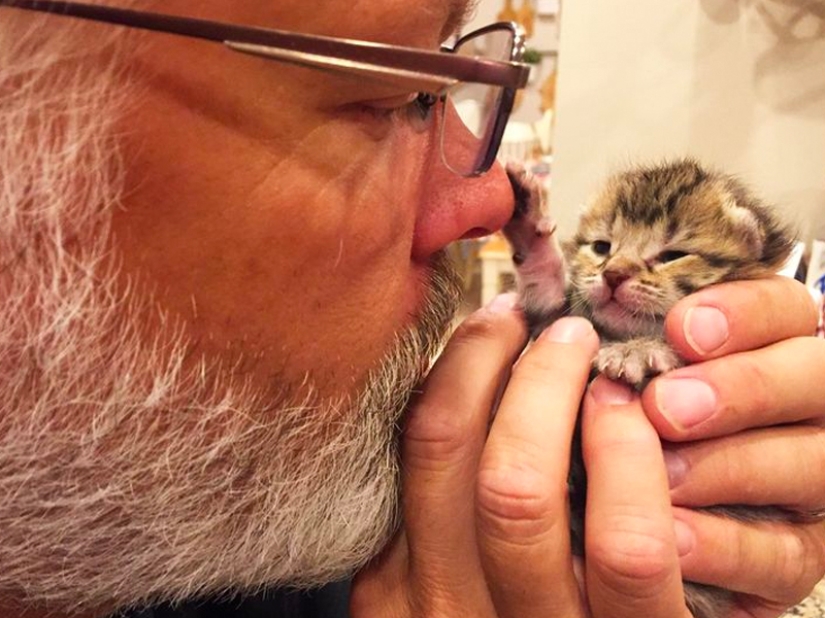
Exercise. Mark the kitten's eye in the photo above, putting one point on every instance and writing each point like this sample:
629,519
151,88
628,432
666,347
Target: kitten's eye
671,256
601,247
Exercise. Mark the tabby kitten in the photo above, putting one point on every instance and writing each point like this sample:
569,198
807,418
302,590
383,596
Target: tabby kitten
649,238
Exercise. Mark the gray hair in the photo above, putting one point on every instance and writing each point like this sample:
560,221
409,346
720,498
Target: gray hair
127,474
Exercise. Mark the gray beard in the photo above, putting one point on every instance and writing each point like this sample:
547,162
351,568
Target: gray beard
128,472
128,479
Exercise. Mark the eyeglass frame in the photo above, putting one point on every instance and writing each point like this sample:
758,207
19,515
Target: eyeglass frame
429,72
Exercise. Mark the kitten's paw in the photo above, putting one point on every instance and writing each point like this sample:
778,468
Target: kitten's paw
529,197
545,227
636,361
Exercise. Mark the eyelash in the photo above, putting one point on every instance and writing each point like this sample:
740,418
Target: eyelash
424,104
419,112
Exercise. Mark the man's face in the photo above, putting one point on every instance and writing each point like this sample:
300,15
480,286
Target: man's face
204,370
282,212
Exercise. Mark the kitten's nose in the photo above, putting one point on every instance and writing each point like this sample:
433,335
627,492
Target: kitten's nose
614,278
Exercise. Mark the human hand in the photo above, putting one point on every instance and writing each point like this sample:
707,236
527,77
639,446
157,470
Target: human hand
486,525
746,425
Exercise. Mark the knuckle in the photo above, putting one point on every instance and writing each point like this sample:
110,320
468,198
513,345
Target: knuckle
626,445
804,559
441,438
516,504
743,385
791,561
752,374
733,472
790,565
632,549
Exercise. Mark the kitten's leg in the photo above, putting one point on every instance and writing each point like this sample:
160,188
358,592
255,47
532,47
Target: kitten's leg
537,256
635,361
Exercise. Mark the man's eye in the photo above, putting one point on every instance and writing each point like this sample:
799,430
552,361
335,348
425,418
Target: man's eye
421,111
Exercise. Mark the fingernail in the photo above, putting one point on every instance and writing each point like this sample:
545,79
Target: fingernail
685,539
685,402
677,468
503,303
706,329
611,393
568,330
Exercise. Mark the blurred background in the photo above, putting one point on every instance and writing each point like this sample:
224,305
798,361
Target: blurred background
739,84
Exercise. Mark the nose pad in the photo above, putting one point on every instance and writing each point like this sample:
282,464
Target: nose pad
454,207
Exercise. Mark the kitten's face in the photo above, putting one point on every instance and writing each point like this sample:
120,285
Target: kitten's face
655,235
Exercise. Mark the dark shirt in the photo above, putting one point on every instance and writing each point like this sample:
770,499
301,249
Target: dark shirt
331,601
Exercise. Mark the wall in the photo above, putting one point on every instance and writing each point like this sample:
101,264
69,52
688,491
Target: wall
545,39
738,83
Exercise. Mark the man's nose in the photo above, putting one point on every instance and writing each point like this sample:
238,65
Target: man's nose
454,207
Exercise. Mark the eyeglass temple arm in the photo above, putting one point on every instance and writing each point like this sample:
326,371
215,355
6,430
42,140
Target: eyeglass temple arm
412,80
437,70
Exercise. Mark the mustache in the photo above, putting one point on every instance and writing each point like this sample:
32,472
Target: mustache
444,298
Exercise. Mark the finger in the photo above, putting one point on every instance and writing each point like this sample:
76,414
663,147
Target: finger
381,587
631,558
812,606
441,447
781,383
741,315
523,525
775,564
788,462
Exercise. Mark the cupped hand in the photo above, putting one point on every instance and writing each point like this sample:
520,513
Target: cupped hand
746,425
485,522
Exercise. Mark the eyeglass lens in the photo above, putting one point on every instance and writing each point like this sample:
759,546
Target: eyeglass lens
478,107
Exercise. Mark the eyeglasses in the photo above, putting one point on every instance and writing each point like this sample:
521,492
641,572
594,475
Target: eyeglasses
474,80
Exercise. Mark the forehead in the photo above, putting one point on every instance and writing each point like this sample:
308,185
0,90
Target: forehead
418,23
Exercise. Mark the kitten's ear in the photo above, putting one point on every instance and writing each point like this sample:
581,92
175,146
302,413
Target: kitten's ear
747,226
